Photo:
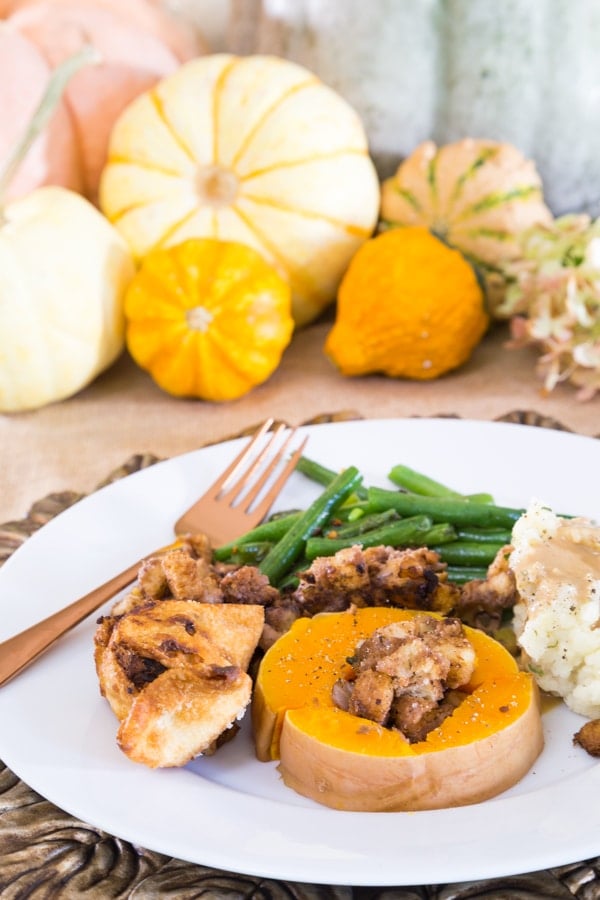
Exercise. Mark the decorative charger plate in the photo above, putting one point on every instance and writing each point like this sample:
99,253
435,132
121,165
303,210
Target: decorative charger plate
229,811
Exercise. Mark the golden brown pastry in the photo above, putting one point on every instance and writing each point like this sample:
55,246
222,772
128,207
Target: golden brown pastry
174,673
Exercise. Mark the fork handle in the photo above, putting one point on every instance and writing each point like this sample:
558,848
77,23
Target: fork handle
17,652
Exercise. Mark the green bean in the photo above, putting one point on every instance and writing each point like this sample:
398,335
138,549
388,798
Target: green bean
353,509
403,533
353,513
440,533
462,574
290,547
271,530
250,553
467,553
315,471
321,474
485,535
365,523
282,513
444,509
417,483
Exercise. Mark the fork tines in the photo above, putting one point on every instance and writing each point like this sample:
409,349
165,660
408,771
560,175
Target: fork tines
257,463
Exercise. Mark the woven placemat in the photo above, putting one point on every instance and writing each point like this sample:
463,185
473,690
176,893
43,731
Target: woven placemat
46,853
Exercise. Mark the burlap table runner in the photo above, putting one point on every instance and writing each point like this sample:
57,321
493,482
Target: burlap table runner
70,446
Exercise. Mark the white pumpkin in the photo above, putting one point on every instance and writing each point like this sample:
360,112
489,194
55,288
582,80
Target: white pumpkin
63,273
249,149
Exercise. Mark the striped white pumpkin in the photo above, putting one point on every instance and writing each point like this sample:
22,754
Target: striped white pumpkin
252,149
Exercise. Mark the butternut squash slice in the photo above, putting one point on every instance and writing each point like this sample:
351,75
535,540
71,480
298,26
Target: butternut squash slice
345,762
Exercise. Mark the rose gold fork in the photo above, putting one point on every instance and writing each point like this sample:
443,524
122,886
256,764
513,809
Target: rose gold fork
231,506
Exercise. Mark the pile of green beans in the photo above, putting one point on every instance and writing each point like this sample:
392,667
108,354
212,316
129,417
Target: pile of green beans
467,531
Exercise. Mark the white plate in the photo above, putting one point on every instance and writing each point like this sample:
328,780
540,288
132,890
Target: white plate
230,811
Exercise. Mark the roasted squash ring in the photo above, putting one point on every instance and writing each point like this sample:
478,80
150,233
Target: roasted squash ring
343,761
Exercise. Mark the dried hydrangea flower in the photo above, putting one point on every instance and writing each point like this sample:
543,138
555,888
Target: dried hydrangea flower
553,301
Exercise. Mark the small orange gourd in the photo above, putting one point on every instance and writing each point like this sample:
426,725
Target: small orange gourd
343,761
208,319
409,306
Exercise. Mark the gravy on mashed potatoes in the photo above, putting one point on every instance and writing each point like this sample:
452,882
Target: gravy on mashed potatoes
556,562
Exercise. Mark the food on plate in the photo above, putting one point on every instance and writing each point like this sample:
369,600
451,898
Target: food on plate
208,318
588,737
411,578
477,195
187,572
483,602
488,742
375,679
174,674
174,670
556,563
172,644
249,149
408,306
408,675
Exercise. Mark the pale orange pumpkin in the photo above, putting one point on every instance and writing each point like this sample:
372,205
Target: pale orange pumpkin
54,157
136,51
149,15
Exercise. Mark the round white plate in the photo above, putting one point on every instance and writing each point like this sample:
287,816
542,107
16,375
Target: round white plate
230,811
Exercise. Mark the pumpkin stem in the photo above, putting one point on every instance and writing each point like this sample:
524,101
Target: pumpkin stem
57,83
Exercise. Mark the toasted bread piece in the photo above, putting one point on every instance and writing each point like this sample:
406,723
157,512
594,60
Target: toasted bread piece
181,713
174,674
171,631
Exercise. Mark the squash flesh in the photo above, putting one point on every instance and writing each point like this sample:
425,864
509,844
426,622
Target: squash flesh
487,744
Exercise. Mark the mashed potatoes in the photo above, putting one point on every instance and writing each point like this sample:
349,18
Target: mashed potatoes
556,562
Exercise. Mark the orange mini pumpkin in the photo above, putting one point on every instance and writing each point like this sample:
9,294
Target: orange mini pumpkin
208,319
409,306
347,762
